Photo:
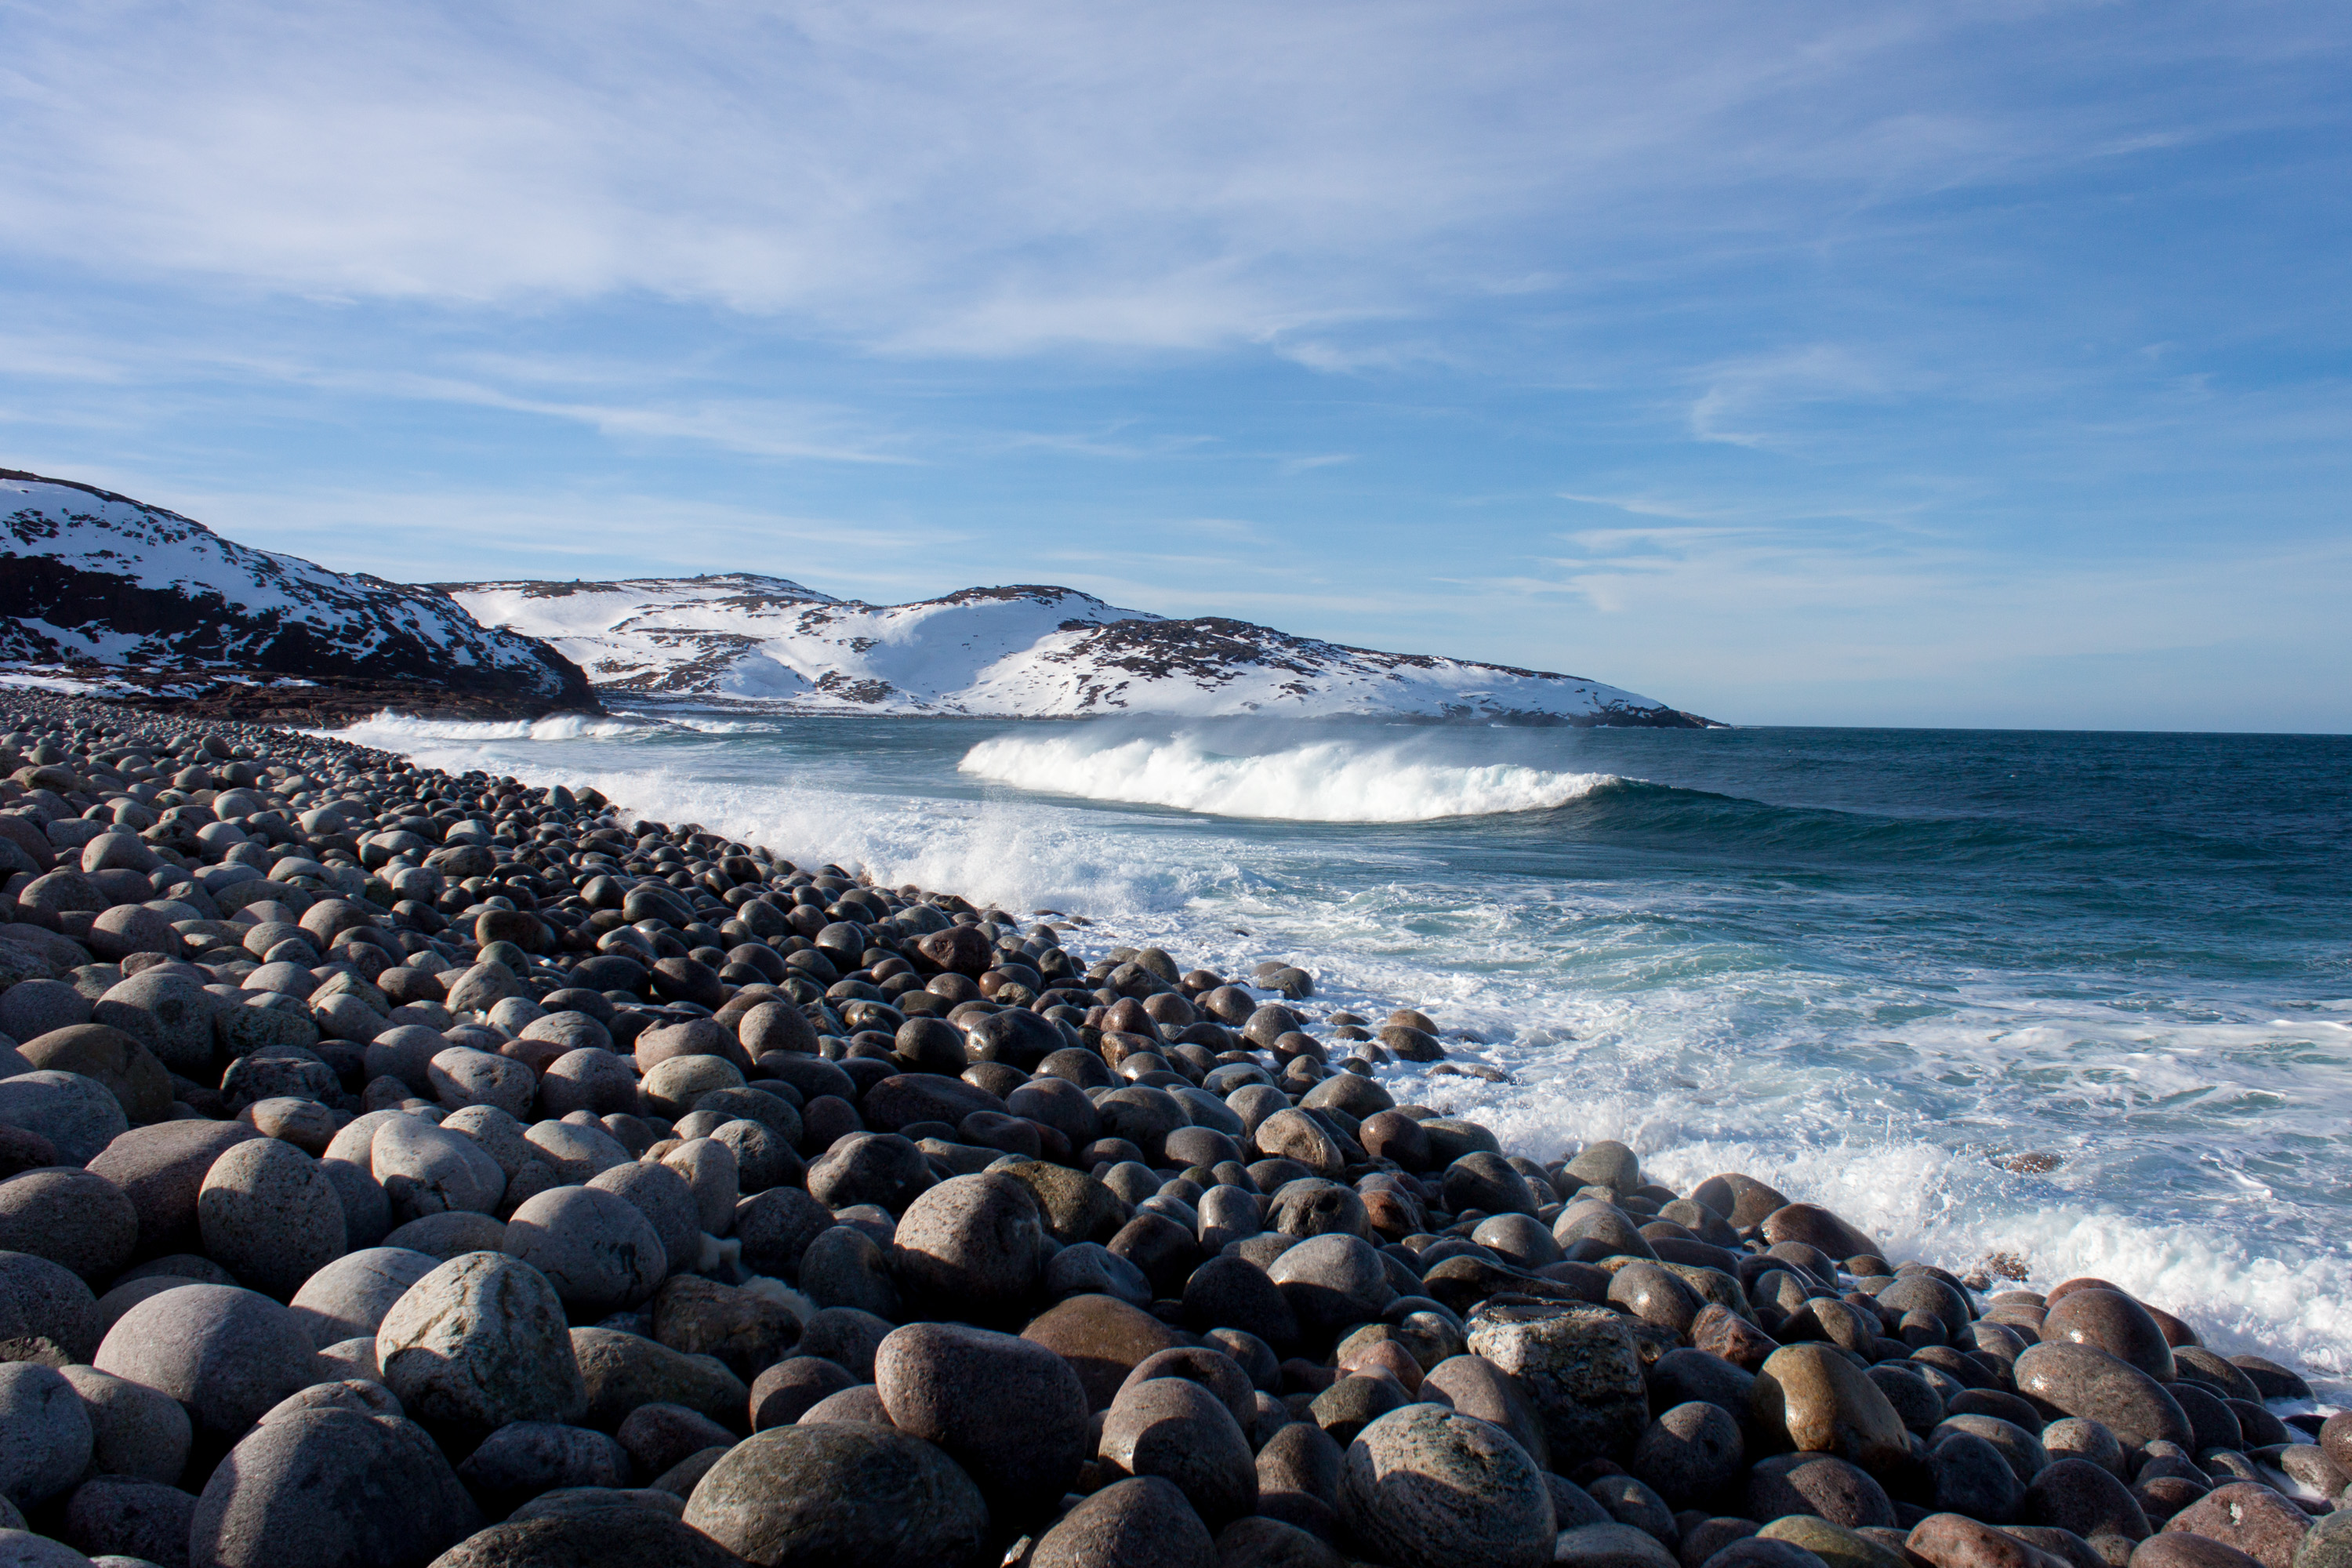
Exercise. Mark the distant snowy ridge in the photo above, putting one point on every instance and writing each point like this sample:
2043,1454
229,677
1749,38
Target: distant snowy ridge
1013,652
88,576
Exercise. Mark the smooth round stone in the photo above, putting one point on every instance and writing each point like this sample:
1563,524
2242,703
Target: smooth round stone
1825,1405
128,1069
598,1252
658,1437
78,1116
406,1051
1581,1370
2255,1520
481,989
169,1012
1271,1543
596,1081
602,1530
577,1152
1353,1402
840,1492
1821,1484
2329,1543
625,1371
74,1218
23,1548
1655,1295
524,1458
305,1123
1103,1339
46,1312
671,1087
31,1008
2114,1322
974,1242
1332,1282
127,1518
349,1297
128,928
443,1236
134,1430
2186,1551
270,1215
1141,1522
709,1169
496,1133
1610,1545
425,1169
1293,1134
764,1158
1182,1433
479,1341
2084,1381
1690,1454
225,1354
44,1434
1214,1370
460,1076
331,1486
2026,1456
1972,1477
2078,1495
1437,1488
668,1205
787,1390
1832,1544
861,1403
843,1267
1012,1414
2076,1437
879,1168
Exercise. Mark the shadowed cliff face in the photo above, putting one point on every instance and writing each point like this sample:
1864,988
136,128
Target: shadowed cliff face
93,577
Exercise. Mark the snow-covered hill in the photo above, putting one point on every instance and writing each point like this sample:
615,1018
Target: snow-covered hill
88,576
1023,651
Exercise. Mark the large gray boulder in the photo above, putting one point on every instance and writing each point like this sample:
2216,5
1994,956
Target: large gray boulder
225,1354
480,1342
841,1493
330,1485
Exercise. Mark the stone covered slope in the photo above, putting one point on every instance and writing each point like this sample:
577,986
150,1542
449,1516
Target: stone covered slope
1024,651
405,1169
89,577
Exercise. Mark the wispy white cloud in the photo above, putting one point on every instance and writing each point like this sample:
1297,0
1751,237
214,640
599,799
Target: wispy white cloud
929,177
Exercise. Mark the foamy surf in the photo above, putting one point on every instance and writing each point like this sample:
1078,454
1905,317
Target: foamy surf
401,731
1324,780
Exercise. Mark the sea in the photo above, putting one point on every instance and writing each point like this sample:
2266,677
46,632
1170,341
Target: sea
2036,1003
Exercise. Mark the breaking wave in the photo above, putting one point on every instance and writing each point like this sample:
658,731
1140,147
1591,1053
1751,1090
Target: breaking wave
400,731
1324,780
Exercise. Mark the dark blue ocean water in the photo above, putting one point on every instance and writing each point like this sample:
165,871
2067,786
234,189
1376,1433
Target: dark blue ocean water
1871,966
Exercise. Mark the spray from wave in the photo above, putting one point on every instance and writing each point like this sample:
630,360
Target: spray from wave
400,731
1324,780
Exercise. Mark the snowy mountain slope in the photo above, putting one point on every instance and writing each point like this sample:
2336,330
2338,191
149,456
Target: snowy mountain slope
89,577
1021,651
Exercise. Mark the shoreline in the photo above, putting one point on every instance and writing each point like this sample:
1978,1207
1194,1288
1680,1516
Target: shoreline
896,1164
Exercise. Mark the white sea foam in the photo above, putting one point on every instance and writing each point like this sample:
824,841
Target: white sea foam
1323,781
401,731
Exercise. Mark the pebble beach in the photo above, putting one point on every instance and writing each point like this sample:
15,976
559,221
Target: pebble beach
402,1168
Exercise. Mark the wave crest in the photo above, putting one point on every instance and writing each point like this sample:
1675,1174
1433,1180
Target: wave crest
1324,780
398,730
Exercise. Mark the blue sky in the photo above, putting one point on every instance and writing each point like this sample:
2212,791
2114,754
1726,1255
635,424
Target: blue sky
1791,362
